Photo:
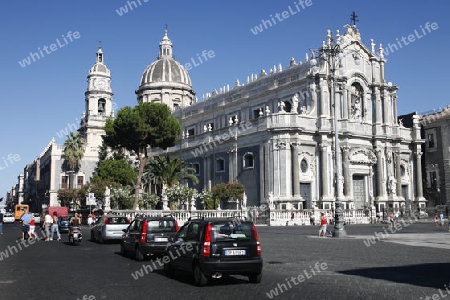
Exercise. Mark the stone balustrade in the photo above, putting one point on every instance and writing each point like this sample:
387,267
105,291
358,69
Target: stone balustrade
275,217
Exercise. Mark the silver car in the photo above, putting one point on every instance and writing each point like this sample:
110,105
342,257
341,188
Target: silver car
108,228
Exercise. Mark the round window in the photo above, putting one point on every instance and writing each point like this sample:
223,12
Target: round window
304,166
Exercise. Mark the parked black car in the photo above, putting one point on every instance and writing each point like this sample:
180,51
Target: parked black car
148,236
210,248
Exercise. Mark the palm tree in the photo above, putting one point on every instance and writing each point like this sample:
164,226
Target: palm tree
74,148
167,172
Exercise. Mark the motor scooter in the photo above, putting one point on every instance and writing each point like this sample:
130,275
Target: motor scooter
75,235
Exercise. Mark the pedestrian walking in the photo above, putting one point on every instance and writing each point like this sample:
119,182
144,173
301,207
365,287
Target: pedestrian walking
441,217
31,232
55,227
90,220
48,220
312,219
389,219
323,225
25,219
436,220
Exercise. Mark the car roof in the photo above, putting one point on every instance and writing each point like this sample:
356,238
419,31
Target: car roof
220,220
163,217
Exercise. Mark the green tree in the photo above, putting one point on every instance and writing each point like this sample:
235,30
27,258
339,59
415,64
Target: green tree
228,191
74,197
209,202
119,171
167,172
74,148
136,129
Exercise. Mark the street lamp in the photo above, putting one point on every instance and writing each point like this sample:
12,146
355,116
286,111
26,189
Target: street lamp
332,53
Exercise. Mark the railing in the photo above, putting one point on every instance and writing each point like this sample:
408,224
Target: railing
272,217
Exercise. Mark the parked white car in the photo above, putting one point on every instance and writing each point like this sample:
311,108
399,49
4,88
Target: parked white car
8,218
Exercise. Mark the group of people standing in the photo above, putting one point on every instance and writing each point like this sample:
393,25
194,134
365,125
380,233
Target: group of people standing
50,224
28,225
439,221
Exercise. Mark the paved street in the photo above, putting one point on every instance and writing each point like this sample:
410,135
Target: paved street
409,264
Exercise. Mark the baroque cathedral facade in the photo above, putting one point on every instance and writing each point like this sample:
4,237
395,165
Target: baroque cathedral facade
276,134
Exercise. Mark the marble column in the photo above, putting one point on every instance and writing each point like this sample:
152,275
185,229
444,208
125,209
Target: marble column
324,98
380,187
386,108
398,173
206,171
346,104
378,114
325,171
295,170
394,105
346,170
419,175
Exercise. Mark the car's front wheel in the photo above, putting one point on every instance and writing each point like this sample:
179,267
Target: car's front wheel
200,278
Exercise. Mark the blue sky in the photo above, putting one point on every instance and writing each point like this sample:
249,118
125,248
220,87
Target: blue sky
47,96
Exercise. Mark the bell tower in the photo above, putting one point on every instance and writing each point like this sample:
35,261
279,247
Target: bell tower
98,102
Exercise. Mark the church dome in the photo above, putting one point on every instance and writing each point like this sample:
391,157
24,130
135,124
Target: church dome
165,71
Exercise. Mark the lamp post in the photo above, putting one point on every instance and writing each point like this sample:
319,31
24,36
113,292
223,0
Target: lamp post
332,53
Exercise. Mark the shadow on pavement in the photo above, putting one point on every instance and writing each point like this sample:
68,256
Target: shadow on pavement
427,275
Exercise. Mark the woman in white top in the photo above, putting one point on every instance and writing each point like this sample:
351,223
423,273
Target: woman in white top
48,220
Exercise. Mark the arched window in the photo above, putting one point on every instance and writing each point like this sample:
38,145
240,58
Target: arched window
248,160
101,106
220,165
304,166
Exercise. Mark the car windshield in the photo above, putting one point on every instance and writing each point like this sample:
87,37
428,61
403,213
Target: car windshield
117,220
161,225
231,231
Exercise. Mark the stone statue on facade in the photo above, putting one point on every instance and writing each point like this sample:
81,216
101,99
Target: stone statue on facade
271,205
303,110
294,102
281,105
392,185
356,111
107,199
244,201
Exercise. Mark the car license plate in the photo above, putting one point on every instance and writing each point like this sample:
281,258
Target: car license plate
234,252
160,239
